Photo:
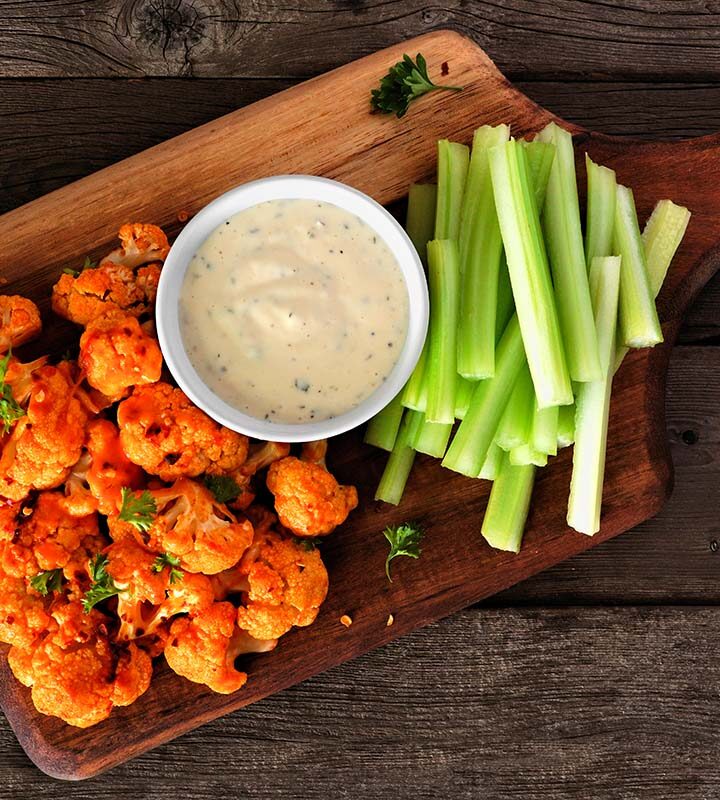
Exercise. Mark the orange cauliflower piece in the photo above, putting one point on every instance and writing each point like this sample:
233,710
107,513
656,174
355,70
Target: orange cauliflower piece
163,432
283,583
141,243
23,614
19,321
116,354
203,648
308,499
76,674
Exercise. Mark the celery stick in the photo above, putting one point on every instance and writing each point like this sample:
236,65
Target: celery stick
399,463
432,438
639,323
540,157
566,426
544,434
516,422
505,302
420,220
480,247
601,194
492,463
508,506
593,404
563,237
469,448
661,238
529,274
382,429
441,368
415,393
463,392
453,160
526,454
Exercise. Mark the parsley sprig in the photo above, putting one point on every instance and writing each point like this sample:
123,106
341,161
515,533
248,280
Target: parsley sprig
137,509
223,487
169,560
102,586
49,581
87,264
405,82
404,541
10,410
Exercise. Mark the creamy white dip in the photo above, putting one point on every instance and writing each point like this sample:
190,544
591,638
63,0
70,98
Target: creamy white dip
293,311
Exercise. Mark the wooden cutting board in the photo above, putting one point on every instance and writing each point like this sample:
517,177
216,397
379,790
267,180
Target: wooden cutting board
323,127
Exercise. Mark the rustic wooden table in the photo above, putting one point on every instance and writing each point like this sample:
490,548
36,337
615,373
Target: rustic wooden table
596,679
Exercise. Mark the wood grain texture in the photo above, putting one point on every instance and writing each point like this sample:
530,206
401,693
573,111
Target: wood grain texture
539,704
239,38
382,157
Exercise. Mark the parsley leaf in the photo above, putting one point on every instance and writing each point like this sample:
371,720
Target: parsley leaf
405,82
87,264
223,487
103,585
48,581
137,509
169,560
10,410
404,541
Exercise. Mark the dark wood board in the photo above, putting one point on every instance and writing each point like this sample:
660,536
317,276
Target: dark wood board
456,569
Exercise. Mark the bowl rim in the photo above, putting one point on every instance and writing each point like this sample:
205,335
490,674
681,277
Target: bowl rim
245,196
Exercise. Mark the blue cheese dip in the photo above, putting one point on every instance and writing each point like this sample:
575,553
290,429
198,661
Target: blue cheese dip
293,311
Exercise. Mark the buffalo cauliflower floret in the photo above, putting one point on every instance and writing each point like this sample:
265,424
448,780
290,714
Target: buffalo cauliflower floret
116,354
76,674
19,321
308,499
203,648
282,582
140,244
23,614
163,432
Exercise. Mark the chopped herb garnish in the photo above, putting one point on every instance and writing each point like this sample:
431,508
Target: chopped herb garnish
169,560
71,271
223,487
138,509
88,263
405,82
10,410
48,581
404,541
103,585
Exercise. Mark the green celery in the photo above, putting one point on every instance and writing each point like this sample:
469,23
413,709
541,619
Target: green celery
382,429
420,220
516,422
508,506
525,455
601,196
441,367
540,157
463,392
544,435
566,426
414,395
432,438
492,463
593,404
529,273
453,160
505,302
469,447
480,247
563,237
399,463
639,323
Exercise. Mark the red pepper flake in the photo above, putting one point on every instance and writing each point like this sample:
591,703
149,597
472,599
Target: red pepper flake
183,216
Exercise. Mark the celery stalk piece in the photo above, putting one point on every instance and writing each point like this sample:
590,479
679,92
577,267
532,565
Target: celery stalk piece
399,463
593,404
480,247
526,454
516,422
566,426
382,429
639,323
505,302
441,367
508,506
492,463
601,195
463,392
661,238
432,438
563,237
453,160
544,436
414,394
420,220
469,448
540,157
529,274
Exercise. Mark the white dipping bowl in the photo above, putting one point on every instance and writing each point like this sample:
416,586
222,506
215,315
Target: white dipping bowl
295,187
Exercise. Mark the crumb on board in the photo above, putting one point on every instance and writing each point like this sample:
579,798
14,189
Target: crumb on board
346,620
444,68
390,620
183,216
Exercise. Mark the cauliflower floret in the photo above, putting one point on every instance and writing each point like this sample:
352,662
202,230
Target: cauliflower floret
116,354
308,499
140,244
283,582
163,432
19,321
203,648
47,441
75,672
23,614
97,480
